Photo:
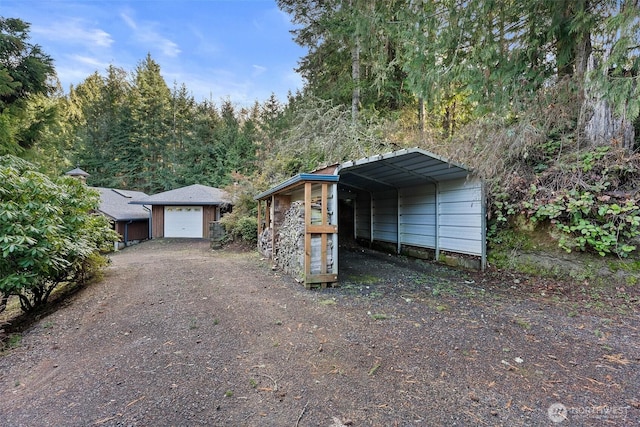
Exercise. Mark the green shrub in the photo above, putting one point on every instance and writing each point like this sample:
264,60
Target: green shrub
244,228
48,231
592,222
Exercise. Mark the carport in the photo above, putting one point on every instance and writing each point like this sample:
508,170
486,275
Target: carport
415,200
411,201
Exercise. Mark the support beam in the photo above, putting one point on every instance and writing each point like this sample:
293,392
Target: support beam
398,222
437,220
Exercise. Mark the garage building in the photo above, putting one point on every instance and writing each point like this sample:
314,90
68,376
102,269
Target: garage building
185,212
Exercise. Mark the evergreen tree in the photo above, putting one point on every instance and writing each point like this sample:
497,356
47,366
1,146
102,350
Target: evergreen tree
499,54
183,117
150,103
353,54
237,140
25,72
101,116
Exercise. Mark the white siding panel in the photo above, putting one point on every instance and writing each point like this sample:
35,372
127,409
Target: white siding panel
456,208
363,216
461,221
418,224
418,216
451,220
465,233
421,209
385,216
470,247
420,240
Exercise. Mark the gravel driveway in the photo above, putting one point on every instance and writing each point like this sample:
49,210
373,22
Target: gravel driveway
179,335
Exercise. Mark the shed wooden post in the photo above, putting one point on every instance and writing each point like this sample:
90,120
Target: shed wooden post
323,236
307,234
268,219
259,221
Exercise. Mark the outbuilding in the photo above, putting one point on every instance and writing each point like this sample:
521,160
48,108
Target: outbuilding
185,212
409,201
130,221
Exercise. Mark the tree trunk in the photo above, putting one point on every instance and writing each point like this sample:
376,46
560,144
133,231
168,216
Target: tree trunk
421,118
601,126
355,76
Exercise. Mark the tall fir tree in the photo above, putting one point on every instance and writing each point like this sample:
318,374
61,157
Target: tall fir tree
150,103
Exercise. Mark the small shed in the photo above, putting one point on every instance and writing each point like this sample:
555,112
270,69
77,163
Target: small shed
185,212
131,222
298,228
411,201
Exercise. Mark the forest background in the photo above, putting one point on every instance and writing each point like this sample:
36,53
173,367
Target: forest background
540,98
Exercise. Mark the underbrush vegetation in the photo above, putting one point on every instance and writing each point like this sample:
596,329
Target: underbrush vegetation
543,179
49,233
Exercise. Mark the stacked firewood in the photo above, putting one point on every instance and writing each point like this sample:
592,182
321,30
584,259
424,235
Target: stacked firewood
289,251
265,243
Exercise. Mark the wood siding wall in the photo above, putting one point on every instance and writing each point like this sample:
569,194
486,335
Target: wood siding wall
137,230
158,222
209,214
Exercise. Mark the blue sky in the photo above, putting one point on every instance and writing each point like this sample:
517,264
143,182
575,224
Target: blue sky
220,49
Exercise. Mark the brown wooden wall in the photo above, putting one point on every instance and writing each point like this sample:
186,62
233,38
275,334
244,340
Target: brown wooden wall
157,213
138,230
209,214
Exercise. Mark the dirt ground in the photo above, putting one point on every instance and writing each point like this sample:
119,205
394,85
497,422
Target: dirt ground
179,335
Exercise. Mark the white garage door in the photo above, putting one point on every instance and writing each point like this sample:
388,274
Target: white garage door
183,221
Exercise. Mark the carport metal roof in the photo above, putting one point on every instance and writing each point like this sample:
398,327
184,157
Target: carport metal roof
403,168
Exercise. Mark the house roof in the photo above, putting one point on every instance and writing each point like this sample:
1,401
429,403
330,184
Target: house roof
195,194
115,204
77,172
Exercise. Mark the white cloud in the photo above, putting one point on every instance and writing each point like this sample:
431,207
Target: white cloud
128,20
89,61
204,45
294,80
75,31
257,70
144,33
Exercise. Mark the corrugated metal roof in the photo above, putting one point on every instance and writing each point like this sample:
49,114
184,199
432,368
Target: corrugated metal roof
191,195
115,204
403,168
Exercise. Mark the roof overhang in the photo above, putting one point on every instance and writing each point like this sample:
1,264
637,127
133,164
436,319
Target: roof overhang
398,169
296,181
177,203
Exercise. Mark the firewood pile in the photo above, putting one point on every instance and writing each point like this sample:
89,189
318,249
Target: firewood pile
265,243
289,251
